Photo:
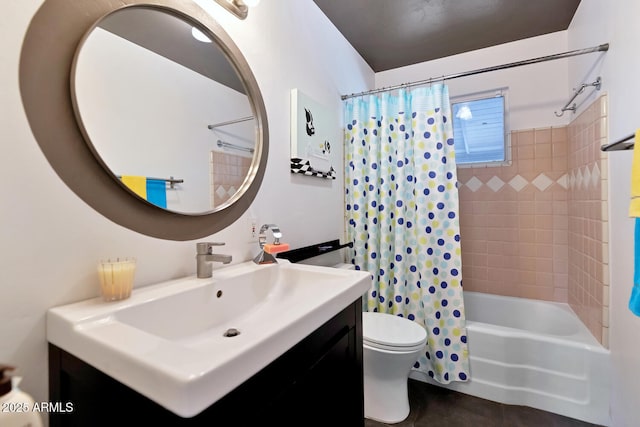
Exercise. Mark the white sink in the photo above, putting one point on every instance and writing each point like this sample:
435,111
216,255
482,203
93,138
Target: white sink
167,341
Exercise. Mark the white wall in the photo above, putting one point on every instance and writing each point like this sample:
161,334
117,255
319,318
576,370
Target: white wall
535,91
51,240
615,22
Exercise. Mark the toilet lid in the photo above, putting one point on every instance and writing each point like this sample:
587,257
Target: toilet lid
389,330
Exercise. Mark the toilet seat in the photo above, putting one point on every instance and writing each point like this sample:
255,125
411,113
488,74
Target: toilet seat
392,333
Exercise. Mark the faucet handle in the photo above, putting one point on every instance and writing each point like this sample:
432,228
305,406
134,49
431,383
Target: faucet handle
204,248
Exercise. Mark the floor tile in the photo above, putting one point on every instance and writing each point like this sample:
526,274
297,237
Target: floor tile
433,406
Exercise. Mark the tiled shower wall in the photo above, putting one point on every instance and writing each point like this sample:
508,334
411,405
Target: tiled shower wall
537,227
228,172
588,219
514,222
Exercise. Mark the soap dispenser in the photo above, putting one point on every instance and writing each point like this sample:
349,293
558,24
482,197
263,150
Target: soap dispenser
16,406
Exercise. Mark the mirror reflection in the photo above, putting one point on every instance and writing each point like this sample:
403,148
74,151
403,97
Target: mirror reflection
165,112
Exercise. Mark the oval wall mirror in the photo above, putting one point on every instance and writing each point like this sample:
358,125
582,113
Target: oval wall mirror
164,110
158,131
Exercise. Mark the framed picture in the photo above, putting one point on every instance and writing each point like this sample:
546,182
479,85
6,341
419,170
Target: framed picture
313,152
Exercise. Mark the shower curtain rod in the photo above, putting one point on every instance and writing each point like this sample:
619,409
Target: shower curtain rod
230,122
600,48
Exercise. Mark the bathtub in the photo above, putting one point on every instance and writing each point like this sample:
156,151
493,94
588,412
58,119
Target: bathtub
533,353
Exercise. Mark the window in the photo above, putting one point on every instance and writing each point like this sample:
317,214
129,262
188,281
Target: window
479,129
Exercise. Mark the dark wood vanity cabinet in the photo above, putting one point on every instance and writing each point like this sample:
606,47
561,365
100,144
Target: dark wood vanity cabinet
318,382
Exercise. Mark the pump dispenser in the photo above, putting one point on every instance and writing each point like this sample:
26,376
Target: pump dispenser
16,407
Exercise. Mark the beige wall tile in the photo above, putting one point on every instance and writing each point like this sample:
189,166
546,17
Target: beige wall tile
542,136
525,137
542,150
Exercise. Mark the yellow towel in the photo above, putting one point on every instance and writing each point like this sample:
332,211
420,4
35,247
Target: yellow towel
138,184
634,207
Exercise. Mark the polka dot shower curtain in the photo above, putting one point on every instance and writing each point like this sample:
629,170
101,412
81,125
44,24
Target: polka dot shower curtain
402,217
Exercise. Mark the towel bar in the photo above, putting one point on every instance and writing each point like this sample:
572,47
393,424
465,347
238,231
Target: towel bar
620,144
597,84
171,180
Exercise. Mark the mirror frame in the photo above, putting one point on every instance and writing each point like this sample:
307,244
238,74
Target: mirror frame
55,33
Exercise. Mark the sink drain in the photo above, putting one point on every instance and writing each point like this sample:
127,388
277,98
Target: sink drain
231,332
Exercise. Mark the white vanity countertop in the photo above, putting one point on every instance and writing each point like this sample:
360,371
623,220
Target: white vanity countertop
166,341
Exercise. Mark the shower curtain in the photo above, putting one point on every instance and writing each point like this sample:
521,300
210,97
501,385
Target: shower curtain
402,217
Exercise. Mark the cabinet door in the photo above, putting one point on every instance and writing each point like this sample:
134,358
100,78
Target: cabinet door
327,394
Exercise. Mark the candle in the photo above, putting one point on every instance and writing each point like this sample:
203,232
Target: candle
116,278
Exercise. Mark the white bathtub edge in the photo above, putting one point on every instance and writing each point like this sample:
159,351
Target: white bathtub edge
595,409
596,413
518,356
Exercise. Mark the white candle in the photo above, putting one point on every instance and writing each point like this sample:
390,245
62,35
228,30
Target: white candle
116,278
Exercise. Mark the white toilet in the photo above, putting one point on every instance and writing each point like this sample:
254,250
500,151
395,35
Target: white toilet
392,345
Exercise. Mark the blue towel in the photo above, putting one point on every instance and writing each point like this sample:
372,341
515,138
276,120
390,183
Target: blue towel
157,192
634,211
634,301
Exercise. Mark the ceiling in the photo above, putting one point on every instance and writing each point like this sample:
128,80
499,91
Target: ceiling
393,33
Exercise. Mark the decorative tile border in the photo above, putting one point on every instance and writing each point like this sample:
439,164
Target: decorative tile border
581,178
542,182
585,177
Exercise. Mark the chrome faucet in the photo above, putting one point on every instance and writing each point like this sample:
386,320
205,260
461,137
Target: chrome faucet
205,257
264,257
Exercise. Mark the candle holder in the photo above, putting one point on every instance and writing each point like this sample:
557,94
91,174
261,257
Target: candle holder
116,278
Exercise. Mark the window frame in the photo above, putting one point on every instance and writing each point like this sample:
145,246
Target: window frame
476,96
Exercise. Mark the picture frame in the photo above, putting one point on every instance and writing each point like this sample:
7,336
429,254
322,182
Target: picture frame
313,151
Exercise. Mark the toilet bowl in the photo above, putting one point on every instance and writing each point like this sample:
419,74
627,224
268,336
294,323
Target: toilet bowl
391,345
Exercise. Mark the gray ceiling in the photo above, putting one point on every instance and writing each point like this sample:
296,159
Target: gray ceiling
394,33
